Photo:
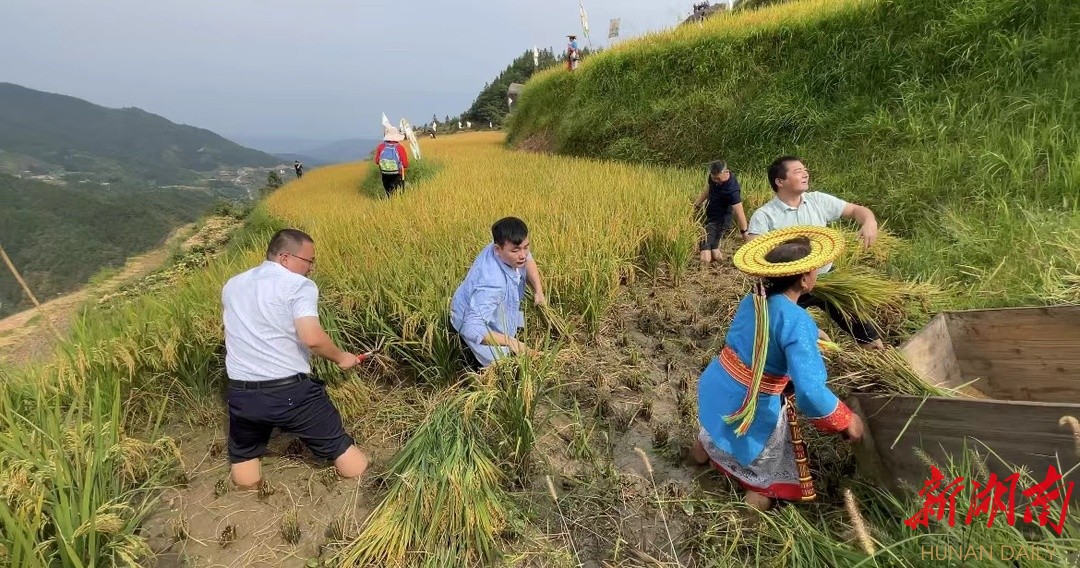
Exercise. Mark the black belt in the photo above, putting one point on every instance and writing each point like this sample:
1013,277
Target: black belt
269,384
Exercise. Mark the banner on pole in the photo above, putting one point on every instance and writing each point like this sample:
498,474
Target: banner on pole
613,28
584,19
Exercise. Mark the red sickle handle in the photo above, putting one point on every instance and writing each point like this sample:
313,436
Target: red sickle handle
363,357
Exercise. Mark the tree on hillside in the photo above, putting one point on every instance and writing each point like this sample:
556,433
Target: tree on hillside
490,105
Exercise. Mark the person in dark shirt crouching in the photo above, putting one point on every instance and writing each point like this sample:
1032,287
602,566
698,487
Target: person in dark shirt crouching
724,198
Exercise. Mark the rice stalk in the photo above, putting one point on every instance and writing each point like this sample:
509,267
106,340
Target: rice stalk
1074,426
290,527
882,371
445,504
861,293
562,517
557,322
659,504
858,523
63,472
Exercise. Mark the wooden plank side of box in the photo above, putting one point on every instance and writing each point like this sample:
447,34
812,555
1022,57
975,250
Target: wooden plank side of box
1024,353
930,353
1021,433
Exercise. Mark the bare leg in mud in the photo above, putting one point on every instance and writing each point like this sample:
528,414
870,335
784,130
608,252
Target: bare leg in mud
758,501
698,453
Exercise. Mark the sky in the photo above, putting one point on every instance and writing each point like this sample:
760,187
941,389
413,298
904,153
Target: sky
319,70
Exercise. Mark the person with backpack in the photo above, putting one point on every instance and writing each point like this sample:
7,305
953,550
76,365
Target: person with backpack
392,160
299,168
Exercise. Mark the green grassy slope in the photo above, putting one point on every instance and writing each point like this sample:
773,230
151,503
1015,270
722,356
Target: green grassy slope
957,121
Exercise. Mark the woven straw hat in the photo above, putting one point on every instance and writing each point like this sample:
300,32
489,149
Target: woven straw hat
825,246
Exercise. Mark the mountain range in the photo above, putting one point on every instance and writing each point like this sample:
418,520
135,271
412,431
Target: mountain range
312,152
72,139
83,186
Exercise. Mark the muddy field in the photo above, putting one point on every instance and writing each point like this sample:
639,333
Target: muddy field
613,438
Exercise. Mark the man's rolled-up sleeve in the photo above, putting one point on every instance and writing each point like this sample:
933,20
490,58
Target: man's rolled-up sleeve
481,307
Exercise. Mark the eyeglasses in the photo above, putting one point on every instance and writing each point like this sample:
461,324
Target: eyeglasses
310,261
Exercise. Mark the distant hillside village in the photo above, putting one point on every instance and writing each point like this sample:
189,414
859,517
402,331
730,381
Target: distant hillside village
251,178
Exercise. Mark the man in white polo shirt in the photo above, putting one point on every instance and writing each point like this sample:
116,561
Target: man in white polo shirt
794,204
271,329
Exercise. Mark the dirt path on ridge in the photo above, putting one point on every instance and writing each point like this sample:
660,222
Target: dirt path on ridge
24,337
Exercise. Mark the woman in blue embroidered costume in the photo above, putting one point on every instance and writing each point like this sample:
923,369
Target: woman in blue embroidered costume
770,366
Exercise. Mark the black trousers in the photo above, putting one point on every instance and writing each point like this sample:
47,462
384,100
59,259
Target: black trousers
302,408
714,231
471,362
863,332
391,182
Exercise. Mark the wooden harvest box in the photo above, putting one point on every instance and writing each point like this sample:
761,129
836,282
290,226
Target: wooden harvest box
1026,366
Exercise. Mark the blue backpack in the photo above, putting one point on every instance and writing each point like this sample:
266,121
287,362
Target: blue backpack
388,160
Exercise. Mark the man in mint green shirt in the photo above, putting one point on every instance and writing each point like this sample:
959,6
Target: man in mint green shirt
794,204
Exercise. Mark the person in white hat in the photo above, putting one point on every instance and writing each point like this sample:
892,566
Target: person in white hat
392,160
573,53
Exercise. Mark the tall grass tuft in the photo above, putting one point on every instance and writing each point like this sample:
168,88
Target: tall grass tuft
955,121
519,384
445,505
74,487
447,502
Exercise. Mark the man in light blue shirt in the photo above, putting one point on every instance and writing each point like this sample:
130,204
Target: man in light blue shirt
794,204
486,308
